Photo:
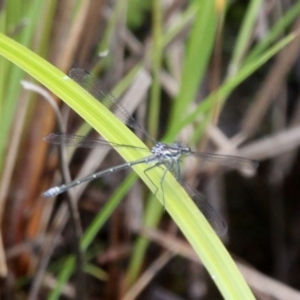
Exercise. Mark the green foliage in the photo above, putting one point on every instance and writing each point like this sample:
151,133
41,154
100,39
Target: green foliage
204,23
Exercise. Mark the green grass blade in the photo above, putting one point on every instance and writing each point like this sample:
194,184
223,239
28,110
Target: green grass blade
95,272
11,87
278,29
229,86
181,208
186,17
106,212
243,39
198,52
92,231
154,104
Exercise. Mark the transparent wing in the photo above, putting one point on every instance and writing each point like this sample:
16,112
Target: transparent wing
228,160
214,219
96,88
84,142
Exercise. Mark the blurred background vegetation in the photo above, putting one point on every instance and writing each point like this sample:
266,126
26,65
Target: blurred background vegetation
221,76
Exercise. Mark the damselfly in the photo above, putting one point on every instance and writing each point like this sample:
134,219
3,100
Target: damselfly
161,154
